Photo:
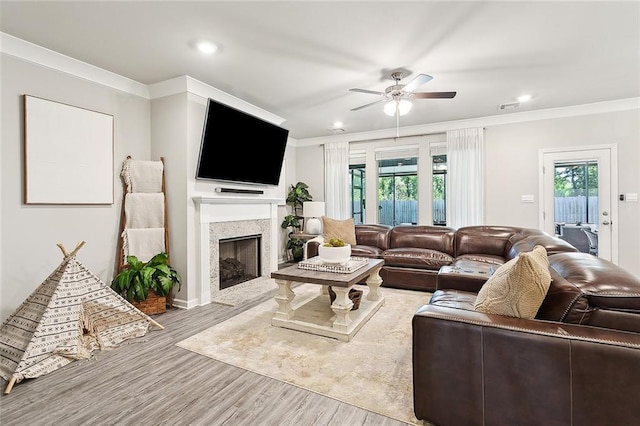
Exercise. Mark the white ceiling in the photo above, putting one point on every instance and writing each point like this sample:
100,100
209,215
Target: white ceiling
298,59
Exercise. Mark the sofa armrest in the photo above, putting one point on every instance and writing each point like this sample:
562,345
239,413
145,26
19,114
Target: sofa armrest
311,246
471,368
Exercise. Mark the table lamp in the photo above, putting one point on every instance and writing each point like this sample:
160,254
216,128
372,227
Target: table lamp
313,212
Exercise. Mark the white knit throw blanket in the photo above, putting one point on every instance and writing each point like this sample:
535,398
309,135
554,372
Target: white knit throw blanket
144,210
142,243
142,175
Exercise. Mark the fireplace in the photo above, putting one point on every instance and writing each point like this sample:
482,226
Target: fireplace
234,218
239,260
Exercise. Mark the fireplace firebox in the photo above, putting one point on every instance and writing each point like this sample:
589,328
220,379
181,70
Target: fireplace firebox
239,260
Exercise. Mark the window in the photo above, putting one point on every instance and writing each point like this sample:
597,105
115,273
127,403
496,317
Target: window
576,192
357,174
439,194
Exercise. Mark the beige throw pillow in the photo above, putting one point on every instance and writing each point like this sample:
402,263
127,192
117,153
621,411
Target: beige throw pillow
343,229
518,287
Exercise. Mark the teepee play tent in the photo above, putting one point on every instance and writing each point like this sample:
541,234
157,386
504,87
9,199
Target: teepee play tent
71,314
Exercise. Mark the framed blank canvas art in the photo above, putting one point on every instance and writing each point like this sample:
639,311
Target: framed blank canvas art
68,154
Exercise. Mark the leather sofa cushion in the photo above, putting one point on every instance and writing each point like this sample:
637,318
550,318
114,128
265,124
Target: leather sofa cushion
564,302
454,299
366,251
552,244
437,238
493,240
373,235
518,287
604,284
416,258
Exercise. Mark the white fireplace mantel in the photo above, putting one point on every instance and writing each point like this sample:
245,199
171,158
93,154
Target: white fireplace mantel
210,199
220,209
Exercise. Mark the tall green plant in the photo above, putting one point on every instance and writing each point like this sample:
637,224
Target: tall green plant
297,195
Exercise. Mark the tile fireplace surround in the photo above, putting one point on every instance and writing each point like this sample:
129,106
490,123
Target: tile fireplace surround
231,217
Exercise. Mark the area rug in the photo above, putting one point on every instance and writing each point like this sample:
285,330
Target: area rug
373,371
244,292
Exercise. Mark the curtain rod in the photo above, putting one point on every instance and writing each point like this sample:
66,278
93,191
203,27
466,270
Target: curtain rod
405,136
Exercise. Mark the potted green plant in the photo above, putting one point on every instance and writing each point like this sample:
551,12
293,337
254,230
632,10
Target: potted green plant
291,221
297,195
140,280
296,246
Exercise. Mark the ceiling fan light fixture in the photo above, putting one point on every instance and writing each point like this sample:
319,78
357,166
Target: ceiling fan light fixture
390,108
402,107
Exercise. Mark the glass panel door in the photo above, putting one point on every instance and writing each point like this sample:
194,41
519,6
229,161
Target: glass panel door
577,197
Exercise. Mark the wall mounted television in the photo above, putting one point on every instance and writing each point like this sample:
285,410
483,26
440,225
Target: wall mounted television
239,147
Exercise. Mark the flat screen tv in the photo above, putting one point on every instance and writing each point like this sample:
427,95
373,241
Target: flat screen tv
240,147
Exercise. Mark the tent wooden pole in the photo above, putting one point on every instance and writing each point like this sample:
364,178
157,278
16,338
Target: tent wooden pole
10,385
78,247
75,250
156,323
65,253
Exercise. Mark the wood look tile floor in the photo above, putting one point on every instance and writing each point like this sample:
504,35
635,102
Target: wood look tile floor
150,381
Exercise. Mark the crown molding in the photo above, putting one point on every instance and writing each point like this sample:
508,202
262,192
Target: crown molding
186,84
39,55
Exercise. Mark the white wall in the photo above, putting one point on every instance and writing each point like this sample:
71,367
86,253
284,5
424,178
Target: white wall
310,170
168,135
30,232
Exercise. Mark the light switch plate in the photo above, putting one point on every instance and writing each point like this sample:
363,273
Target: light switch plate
526,198
631,197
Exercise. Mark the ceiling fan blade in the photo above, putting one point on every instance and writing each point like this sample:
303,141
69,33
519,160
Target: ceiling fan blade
417,82
371,92
433,95
367,105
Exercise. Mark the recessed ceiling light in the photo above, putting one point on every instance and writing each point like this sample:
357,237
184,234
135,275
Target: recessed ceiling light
206,47
524,98
337,124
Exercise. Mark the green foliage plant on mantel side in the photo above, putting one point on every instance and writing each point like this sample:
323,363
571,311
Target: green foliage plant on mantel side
133,282
297,195
296,245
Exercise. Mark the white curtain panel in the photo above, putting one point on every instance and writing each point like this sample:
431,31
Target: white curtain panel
465,175
336,180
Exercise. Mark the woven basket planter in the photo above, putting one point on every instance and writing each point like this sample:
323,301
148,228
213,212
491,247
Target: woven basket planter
354,295
153,304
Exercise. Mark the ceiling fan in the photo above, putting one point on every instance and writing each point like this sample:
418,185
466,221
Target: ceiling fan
398,95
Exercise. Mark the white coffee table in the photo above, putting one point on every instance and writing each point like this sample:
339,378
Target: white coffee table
315,314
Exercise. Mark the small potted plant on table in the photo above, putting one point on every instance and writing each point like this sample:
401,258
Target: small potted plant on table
335,250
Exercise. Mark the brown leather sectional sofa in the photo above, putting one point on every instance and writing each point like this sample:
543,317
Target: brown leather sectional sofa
576,363
413,255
